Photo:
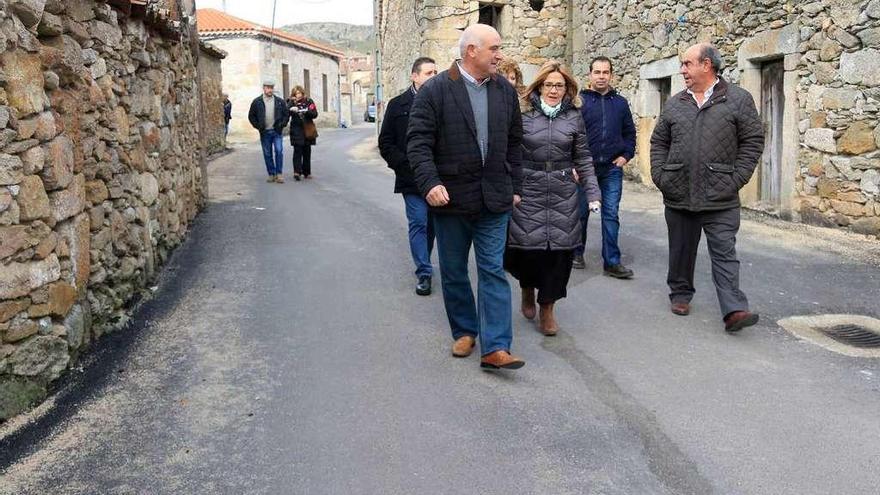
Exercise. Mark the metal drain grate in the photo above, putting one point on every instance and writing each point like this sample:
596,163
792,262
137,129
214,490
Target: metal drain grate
854,335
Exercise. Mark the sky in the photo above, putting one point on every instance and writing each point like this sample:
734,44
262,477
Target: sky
296,11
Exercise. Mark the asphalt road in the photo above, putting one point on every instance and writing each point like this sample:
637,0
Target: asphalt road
284,352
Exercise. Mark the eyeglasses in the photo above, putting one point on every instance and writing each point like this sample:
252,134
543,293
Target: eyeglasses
552,86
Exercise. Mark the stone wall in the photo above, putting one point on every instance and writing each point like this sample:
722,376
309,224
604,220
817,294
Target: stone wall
211,81
531,34
400,38
100,176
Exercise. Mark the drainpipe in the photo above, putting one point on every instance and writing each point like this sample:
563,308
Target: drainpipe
338,98
377,24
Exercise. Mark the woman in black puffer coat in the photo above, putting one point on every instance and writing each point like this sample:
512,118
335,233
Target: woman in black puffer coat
303,112
545,227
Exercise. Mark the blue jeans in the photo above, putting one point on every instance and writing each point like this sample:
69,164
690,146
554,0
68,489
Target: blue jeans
421,233
492,324
272,141
611,184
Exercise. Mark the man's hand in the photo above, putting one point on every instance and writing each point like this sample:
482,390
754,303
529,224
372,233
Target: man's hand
619,161
517,199
437,196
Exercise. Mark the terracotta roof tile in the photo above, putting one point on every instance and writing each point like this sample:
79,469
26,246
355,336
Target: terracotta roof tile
212,21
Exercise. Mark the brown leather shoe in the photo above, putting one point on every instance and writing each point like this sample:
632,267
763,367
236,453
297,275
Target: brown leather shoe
736,321
548,325
463,347
279,179
681,309
271,178
528,303
501,360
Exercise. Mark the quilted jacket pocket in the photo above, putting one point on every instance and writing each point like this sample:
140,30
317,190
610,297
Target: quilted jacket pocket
720,185
673,181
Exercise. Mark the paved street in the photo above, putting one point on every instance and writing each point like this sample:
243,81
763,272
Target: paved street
284,352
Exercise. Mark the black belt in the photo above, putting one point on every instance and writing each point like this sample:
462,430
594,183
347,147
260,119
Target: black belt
548,166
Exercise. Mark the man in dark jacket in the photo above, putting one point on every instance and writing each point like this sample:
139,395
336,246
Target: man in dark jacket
465,130
612,137
269,115
227,111
704,149
392,146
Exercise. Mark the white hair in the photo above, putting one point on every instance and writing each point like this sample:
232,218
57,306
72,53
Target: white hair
474,35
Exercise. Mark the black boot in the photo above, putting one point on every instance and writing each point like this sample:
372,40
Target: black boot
423,288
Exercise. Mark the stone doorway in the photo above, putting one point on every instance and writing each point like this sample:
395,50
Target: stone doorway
766,63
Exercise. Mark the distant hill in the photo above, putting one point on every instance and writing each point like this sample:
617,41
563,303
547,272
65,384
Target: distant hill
344,36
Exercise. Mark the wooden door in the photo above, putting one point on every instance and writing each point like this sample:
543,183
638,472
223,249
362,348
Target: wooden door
772,110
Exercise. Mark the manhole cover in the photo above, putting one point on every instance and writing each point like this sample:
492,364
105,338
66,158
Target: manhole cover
854,335
851,335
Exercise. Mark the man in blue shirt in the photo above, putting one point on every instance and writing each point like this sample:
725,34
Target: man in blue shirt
612,137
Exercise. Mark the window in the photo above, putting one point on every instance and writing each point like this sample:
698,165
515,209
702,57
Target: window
664,87
285,79
324,92
491,15
536,5
307,84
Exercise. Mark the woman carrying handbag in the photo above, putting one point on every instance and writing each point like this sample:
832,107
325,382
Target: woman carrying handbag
303,132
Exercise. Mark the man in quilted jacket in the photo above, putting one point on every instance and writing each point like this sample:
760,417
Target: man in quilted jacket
704,149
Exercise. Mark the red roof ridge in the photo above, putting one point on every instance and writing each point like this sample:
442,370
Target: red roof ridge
216,21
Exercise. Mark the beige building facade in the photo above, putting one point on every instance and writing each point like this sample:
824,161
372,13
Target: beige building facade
811,66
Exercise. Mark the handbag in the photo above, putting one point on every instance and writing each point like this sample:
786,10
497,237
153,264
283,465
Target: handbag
310,130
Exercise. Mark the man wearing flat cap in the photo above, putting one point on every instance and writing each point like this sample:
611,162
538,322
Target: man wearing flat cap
269,116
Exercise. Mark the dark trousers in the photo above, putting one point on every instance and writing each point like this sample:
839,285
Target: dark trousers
489,319
685,228
302,160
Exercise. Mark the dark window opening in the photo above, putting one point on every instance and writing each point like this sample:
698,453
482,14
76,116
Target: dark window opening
536,5
285,79
490,15
664,86
324,92
307,83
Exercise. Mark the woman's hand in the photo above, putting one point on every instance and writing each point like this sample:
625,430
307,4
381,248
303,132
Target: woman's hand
577,177
595,206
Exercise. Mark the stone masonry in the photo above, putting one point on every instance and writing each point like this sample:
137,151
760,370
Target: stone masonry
829,52
211,81
100,173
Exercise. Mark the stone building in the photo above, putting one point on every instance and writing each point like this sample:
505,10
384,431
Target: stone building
256,53
101,172
812,67
211,80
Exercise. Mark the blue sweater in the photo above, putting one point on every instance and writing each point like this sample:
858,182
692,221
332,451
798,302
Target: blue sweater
610,128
